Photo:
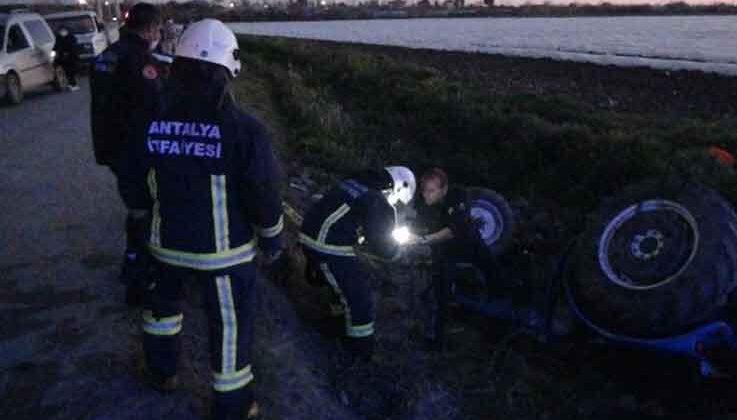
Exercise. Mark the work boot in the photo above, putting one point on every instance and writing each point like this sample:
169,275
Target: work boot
358,350
225,406
331,326
254,412
165,384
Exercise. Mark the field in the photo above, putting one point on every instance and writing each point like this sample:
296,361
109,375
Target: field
557,139
663,42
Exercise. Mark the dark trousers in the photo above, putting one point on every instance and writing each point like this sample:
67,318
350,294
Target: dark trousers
70,69
350,281
229,299
136,268
445,258
136,228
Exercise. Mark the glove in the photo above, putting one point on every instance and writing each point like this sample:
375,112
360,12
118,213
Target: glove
271,248
417,240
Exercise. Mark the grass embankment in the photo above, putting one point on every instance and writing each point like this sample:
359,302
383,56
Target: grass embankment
348,108
340,108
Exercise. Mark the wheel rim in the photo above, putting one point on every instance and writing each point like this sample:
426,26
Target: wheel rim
493,223
648,244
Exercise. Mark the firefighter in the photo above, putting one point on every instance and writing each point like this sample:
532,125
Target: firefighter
211,175
125,85
357,210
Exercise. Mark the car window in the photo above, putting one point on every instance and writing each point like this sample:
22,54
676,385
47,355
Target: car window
76,24
2,37
38,32
16,39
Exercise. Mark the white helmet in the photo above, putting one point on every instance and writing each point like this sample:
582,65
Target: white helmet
210,40
403,185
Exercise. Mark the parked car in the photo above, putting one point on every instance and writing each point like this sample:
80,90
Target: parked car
93,36
26,56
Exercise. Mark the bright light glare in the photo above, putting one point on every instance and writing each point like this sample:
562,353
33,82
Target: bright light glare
401,235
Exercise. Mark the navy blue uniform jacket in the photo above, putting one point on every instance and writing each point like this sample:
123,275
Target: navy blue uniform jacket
125,85
347,213
211,181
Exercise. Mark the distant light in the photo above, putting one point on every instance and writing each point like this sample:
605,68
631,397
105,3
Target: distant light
82,2
231,5
107,3
115,19
266,6
323,3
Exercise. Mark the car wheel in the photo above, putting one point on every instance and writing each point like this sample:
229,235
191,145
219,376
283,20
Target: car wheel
60,79
14,89
659,259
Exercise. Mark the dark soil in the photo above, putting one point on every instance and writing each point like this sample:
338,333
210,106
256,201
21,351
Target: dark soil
620,89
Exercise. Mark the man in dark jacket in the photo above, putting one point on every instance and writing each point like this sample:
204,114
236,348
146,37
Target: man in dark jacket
125,86
357,210
455,226
209,173
67,55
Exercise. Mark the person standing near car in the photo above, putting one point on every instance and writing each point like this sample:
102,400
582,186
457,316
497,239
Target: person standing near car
125,85
67,55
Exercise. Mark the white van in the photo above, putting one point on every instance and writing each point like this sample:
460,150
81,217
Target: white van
92,35
26,56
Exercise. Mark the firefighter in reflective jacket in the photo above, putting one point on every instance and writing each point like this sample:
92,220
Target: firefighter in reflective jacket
125,85
357,209
209,171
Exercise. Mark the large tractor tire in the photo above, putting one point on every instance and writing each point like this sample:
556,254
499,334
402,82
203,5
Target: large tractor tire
656,261
495,219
